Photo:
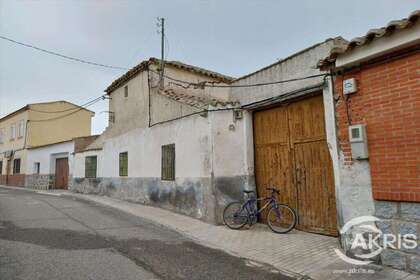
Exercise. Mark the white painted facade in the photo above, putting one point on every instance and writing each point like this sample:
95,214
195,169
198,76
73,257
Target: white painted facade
46,157
77,164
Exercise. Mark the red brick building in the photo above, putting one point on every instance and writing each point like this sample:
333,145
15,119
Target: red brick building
388,103
377,97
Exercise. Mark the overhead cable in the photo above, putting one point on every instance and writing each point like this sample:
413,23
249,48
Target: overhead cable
184,84
212,84
62,55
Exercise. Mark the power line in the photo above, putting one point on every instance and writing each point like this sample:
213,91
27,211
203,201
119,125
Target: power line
62,55
89,103
277,98
203,84
183,83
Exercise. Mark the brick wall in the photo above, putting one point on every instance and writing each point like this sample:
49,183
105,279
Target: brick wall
17,180
388,103
2,179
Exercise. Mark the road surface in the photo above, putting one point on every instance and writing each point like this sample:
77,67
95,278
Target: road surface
60,237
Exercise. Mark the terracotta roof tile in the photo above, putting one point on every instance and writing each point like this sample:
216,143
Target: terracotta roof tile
145,64
193,100
371,35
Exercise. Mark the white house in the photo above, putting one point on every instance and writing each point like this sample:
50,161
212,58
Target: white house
160,148
193,147
43,164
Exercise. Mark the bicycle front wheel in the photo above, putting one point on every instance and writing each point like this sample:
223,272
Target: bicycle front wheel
234,215
281,219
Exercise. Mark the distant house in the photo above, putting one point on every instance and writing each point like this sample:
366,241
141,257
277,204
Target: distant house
377,104
35,143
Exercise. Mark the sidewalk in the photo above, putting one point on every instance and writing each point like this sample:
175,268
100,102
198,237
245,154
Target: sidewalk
299,254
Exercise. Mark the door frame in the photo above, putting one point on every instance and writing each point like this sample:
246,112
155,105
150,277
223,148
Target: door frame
285,103
56,159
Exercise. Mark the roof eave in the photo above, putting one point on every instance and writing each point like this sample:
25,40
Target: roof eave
366,41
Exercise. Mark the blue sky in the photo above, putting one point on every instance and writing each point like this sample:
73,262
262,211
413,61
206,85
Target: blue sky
231,37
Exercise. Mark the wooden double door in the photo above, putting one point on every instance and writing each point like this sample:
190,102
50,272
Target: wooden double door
61,173
291,153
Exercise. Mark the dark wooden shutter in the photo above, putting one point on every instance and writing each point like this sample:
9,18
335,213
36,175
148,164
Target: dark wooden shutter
168,162
90,166
124,164
16,166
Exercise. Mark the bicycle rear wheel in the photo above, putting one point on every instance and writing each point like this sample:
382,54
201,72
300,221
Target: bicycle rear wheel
281,219
234,215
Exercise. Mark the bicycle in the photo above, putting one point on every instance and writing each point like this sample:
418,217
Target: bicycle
280,217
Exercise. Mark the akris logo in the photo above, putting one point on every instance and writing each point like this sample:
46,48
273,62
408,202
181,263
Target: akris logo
374,242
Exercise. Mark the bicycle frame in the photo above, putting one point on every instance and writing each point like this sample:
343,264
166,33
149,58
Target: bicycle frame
252,211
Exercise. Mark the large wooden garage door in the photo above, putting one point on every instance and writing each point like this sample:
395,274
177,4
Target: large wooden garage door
291,154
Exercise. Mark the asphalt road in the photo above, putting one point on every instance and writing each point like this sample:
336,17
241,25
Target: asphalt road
60,237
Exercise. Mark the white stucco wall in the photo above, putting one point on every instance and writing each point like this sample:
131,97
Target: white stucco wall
78,163
230,138
191,139
203,145
47,155
299,65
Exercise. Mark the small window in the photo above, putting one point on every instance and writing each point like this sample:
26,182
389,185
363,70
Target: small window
16,166
20,129
124,164
90,166
111,117
37,167
355,132
2,135
1,167
168,162
126,91
12,132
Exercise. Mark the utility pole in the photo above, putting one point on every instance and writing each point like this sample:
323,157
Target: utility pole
161,24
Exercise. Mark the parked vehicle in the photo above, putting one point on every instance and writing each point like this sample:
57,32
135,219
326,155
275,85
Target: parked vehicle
280,218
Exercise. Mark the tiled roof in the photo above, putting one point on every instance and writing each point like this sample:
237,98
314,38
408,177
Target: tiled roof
176,64
81,143
195,101
371,35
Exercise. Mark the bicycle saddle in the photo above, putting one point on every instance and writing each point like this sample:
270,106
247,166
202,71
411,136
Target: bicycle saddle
245,191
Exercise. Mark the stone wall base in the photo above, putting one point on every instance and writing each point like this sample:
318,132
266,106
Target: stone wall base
400,218
39,181
195,197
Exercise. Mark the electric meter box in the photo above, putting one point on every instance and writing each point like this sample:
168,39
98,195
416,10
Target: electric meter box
358,141
349,86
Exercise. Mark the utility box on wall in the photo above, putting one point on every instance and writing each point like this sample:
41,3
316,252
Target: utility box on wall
358,141
349,86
